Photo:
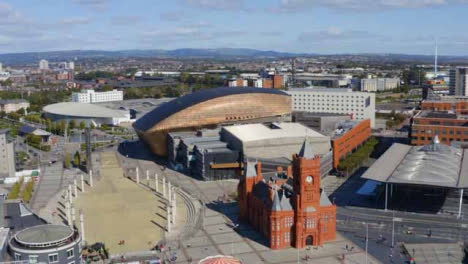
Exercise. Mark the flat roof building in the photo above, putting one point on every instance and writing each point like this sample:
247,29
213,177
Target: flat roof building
359,105
7,155
347,137
90,96
448,125
277,140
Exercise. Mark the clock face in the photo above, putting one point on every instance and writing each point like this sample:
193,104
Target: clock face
309,179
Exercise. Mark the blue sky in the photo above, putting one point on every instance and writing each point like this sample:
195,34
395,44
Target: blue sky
315,26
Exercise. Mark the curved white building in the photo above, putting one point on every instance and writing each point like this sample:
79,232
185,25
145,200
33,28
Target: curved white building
89,113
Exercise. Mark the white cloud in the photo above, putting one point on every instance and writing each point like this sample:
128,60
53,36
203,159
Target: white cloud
75,21
298,5
125,20
231,5
336,34
93,4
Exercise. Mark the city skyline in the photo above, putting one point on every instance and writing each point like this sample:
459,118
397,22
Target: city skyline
301,26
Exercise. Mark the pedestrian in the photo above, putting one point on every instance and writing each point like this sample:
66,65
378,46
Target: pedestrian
347,247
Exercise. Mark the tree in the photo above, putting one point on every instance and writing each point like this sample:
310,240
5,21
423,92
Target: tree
72,124
77,159
92,126
67,161
82,125
21,111
106,88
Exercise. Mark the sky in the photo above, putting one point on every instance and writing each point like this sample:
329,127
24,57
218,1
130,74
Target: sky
310,26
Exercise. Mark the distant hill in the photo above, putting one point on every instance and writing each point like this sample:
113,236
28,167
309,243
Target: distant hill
221,53
229,53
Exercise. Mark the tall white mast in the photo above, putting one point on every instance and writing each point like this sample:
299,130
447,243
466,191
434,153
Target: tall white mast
435,62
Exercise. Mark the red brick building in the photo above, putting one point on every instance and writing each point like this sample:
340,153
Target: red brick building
288,208
277,81
349,139
449,126
459,107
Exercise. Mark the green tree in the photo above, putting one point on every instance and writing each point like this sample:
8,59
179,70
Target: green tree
21,111
82,125
67,161
77,159
72,124
106,88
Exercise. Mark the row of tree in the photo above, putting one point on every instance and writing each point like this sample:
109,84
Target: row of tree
76,160
355,159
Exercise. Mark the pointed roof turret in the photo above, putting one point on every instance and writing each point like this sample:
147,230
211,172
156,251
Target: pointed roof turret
276,205
249,170
306,150
286,203
324,201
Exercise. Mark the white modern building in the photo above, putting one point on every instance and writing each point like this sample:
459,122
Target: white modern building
7,156
43,65
379,84
71,65
458,81
359,105
88,113
90,96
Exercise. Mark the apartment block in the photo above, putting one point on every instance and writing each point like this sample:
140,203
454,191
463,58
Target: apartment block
458,81
90,96
7,156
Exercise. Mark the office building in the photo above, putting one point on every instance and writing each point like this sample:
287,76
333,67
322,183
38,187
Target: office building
7,156
359,105
458,81
90,96
288,207
379,84
71,65
459,106
447,125
347,137
43,65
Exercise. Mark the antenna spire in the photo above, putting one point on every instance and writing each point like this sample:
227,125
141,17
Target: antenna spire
435,62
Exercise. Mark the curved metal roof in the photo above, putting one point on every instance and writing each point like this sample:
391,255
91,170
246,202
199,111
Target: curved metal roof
435,164
165,110
74,109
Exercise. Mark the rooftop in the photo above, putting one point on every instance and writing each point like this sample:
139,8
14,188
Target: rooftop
435,164
255,132
44,234
163,111
82,110
343,127
327,90
441,115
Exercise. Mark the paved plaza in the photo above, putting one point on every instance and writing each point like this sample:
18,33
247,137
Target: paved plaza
220,235
117,209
